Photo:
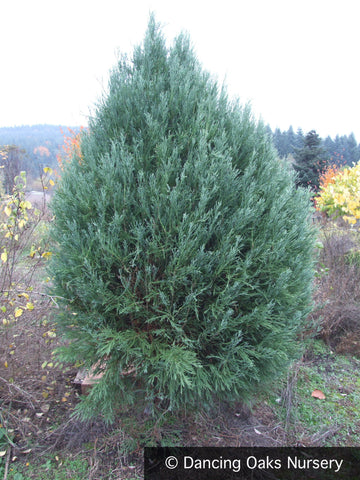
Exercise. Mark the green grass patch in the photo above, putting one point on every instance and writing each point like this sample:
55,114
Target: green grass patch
333,421
50,467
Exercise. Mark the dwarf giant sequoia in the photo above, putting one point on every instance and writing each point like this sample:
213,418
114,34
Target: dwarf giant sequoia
182,250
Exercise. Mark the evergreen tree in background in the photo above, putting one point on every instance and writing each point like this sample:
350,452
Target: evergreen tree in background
285,142
299,140
342,150
182,249
310,161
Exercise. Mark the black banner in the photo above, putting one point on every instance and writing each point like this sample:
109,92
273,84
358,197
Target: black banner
251,463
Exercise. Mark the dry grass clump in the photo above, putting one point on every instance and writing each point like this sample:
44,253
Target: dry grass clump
338,287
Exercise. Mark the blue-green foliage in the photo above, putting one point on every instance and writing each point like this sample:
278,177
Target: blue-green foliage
182,249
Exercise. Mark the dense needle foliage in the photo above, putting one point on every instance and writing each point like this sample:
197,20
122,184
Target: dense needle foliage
183,251
310,161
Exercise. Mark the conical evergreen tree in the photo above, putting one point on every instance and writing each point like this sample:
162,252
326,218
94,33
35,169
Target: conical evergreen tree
310,161
183,252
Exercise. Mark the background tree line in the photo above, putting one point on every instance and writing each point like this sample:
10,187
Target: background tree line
341,150
311,156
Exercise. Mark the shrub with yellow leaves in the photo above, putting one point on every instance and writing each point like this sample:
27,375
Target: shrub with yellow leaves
20,252
341,196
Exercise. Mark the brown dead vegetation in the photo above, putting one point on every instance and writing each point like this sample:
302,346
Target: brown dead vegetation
338,288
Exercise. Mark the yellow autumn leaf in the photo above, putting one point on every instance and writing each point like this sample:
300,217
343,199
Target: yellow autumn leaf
18,312
29,306
4,257
46,254
7,210
6,364
52,183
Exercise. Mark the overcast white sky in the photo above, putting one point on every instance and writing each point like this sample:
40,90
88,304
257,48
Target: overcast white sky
297,62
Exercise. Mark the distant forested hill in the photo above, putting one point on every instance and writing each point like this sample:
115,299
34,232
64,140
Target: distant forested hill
41,144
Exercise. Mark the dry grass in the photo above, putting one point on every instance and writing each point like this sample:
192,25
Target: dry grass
338,288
